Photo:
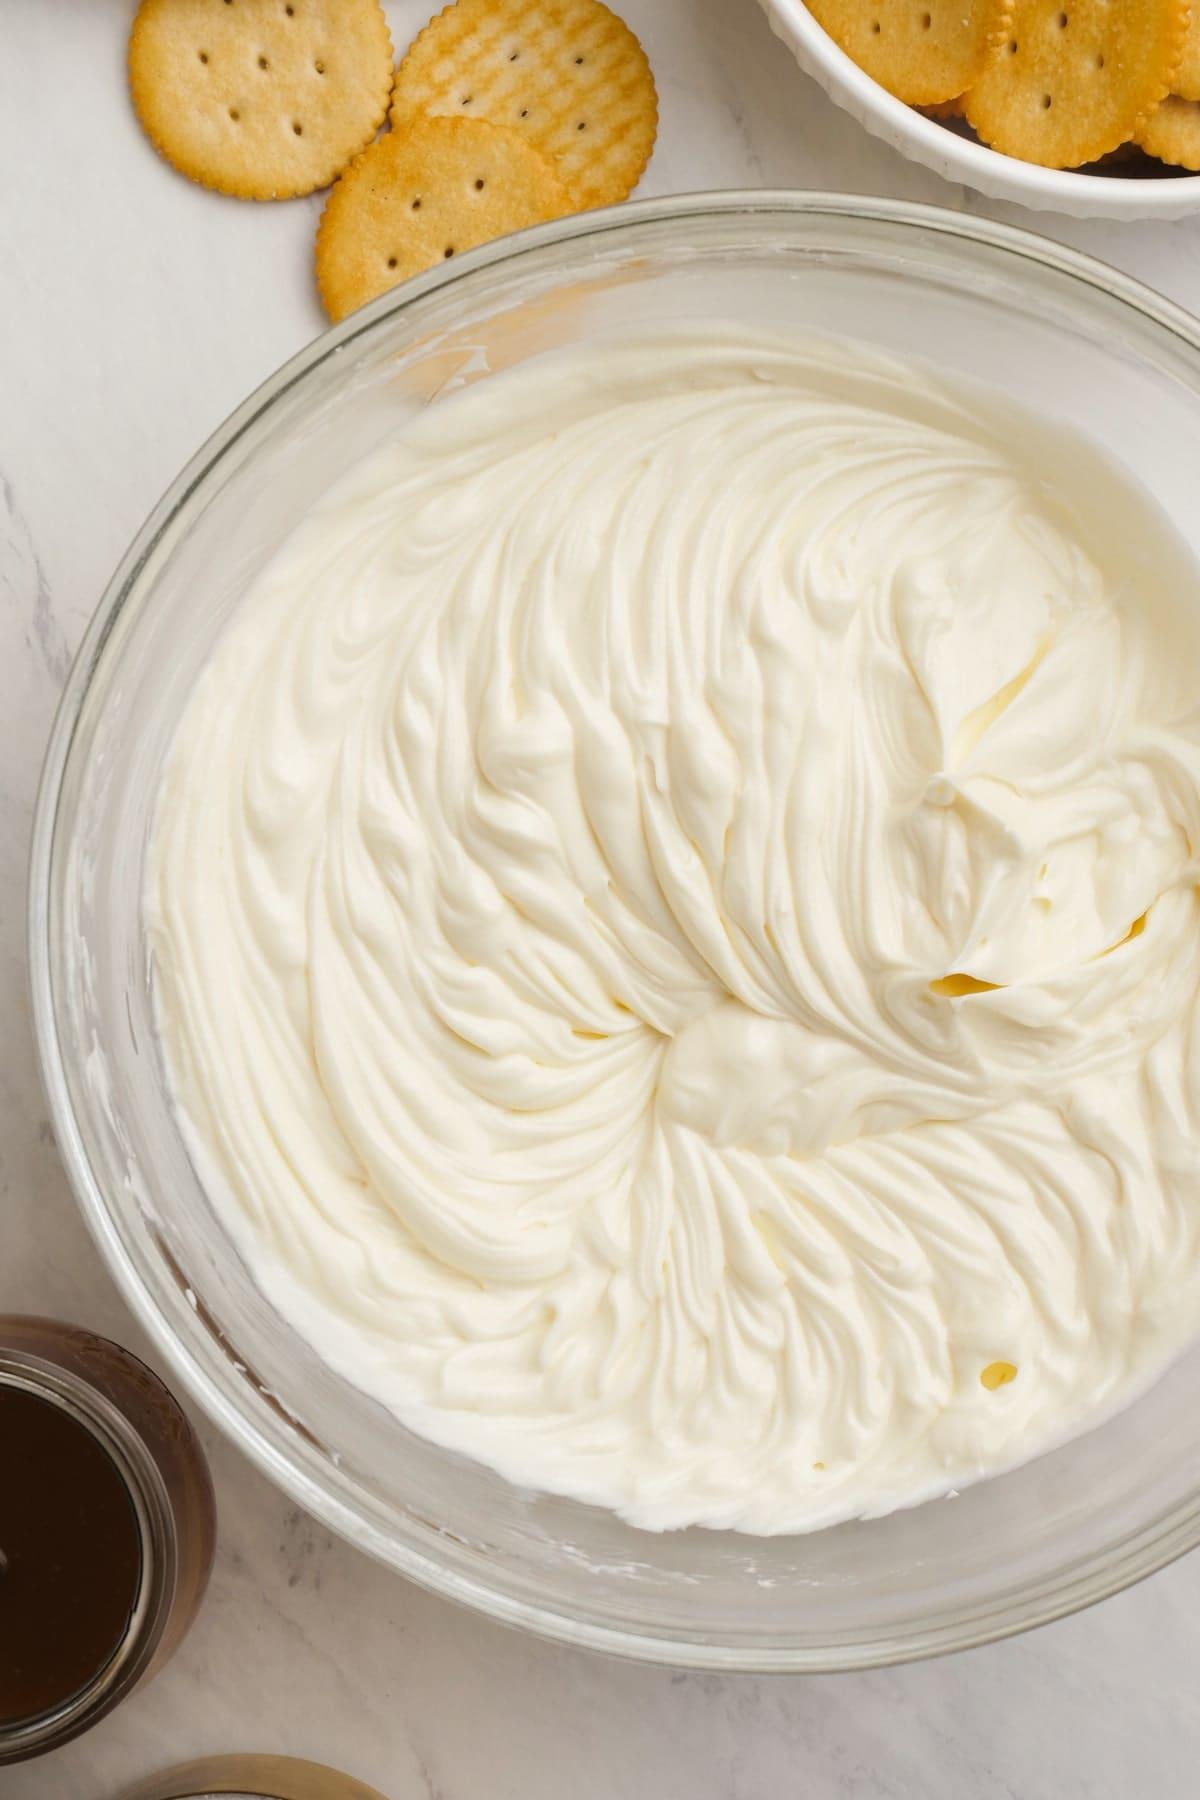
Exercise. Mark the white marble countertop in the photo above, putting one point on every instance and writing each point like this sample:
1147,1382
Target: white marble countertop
137,310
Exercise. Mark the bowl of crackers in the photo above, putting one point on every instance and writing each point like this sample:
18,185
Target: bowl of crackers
1087,107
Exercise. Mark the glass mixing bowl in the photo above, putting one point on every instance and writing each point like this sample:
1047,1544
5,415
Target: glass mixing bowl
1050,327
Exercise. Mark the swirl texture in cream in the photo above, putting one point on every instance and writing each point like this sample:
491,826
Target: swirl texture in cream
675,928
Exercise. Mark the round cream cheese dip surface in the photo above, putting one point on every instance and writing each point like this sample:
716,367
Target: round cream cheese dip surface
675,927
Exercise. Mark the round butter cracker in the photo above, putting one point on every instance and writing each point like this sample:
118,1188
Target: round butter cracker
923,51
261,99
1075,77
423,194
1172,132
1186,80
567,74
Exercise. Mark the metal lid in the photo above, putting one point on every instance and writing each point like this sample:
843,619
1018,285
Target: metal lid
252,1778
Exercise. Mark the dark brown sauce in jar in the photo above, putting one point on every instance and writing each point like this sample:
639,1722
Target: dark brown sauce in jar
70,1556
107,1528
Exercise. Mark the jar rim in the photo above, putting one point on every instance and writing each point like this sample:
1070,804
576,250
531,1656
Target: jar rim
157,1544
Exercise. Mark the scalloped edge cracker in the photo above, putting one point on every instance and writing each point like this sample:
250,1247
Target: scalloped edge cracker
260,99
926,52
422,195
569,75
1075,77
1172,132
1186,82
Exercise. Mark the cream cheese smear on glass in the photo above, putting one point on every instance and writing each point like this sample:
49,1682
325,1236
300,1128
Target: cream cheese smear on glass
675,929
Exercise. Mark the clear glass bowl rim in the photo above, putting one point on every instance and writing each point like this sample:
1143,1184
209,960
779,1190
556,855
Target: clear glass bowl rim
200,1364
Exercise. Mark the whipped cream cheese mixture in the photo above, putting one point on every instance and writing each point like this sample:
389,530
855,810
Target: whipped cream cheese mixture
675,928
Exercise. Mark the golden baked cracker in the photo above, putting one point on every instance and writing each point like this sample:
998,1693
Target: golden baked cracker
262,99
422,194
923,51
567,74
1075,77
1172,132
1186,81
946,109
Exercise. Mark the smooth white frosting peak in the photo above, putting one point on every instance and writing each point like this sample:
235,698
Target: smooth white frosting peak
675,930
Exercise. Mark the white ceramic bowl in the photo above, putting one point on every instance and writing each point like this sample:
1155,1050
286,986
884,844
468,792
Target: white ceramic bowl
960,158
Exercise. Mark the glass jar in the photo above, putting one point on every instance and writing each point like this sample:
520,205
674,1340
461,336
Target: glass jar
1055,332
107,1530
252,1778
